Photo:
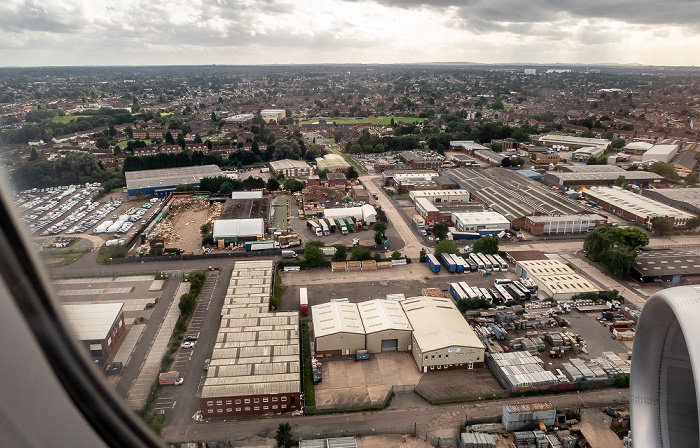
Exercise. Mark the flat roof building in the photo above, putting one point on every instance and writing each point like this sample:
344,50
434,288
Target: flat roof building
255,365
635,207
548,225
290,168
475,221
273,114
239,230
573,142
467,145
687,199
386,326
554,279
98,326
442,339
602,178
164,181
338,328
661,152
440,195
672,266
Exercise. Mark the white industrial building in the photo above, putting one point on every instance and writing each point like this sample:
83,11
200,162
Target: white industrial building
338,328
440,195
235,230
98,326
637,147
633,206
588,152
331,162
273,114
442,339
475,221
291,168
573,142
554,279
366,213
661,153
386,326
467,145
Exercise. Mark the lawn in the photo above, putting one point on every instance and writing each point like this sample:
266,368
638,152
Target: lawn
122,145
385,121
68,118
58,259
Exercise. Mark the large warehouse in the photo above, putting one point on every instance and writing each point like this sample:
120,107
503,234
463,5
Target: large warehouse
440,195
635,207
386,326
554,279
98,326
475,221
515,196
338,328
164,181
442,339
673,266
602,178
366,213
687,199
255,365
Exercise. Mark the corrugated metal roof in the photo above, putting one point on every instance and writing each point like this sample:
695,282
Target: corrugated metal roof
379,315
336,317
438,324
529,407
92,321
169,176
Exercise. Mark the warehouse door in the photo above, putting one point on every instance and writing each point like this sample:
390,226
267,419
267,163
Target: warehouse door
390,345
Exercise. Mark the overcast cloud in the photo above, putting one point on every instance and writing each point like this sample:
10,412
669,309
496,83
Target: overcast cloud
157,32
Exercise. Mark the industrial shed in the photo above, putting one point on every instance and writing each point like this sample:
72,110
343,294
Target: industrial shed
237,230
386,326
98,326
255,365
366,213
442,339
338,328
673,266
164,181
554,279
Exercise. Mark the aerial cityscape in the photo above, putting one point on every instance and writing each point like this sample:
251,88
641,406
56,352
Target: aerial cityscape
263,228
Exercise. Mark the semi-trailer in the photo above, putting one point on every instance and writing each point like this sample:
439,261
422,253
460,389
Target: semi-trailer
433,263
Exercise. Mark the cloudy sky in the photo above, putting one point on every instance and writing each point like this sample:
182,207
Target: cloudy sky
174,32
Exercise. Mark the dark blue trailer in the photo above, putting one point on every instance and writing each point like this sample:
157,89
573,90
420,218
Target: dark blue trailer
433,263
448,262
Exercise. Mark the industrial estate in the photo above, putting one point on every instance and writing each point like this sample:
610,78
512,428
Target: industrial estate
230,265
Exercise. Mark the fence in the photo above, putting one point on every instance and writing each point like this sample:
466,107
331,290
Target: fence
364,406
441,438
443,399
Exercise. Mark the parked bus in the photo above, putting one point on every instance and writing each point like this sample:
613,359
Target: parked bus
472,266
476,259
504,265
468,290
485,261
506,294
495,265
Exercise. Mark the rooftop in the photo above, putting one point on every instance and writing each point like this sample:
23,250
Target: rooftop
635,203
92,321
230,227
169,176
336,317
668,262
380,315
438,324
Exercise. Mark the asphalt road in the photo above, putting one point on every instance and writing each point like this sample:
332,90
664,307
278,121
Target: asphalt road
396,419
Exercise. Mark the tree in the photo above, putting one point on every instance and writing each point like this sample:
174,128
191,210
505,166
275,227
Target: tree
445,246
379,227
620,181
287,149
666,170
505,163
496,147
226,189
185,188
284,435
351,173
440,230
181,141
341,252
661,225
423,254
518,161
213,116
692,179
33,155
618,143
486,245
313,256
293,185
620,260
169,140
359,254
273,184
395,255
197,138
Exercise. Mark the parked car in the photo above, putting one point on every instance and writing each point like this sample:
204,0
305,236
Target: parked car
187,344
206,364
190,338
611,412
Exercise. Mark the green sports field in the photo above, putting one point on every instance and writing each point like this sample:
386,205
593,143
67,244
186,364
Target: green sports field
68,118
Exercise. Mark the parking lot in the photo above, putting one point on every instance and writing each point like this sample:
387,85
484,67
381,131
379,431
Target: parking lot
347,382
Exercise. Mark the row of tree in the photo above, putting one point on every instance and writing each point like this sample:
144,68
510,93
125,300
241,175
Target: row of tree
615,247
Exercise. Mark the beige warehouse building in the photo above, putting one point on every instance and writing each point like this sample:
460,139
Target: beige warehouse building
554,279
442,339
338,328
386,326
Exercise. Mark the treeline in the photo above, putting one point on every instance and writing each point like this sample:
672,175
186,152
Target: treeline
215,184
47,129
74,168
172,160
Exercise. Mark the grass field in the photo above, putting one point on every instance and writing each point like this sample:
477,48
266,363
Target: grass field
385,121
58,259
67,118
